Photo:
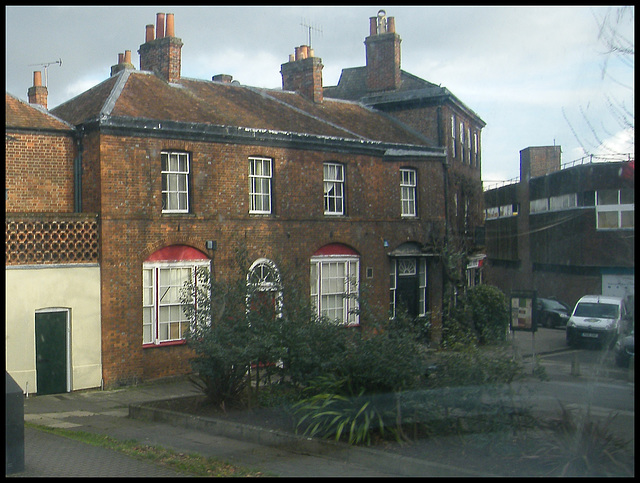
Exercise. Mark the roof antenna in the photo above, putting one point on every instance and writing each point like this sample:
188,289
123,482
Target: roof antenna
310,27
46,65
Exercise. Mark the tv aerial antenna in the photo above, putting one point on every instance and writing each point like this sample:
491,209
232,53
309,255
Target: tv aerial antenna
310,27
46,66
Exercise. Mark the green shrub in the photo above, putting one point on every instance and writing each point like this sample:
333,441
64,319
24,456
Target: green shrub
219,338
481,316
489,312
331,414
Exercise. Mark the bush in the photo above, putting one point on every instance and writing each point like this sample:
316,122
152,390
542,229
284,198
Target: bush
219,338
490,313
482,316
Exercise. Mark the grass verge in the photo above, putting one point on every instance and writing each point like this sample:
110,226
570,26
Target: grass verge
187,463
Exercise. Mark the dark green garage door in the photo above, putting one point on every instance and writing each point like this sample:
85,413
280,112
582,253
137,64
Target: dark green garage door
51,352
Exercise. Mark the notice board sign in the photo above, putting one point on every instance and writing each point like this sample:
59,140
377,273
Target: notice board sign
522,313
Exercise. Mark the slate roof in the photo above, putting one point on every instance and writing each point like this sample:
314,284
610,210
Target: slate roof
21,115
141,95
352,85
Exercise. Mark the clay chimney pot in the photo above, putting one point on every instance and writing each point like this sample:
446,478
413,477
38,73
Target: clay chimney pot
159,25
373,25
391,25
149,33
37,78
170,28
127,56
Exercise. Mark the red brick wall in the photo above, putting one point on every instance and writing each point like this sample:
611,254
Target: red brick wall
133,227
162,56
39,172
383,61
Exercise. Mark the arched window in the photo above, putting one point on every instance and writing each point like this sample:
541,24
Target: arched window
264,287
163,276
335,280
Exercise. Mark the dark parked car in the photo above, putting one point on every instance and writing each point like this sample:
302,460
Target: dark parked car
623,350
552,313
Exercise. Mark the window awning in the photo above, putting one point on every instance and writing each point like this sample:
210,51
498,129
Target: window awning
335,249
410,249
175,253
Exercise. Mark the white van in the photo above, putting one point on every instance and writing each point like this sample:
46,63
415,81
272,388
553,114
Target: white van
598,318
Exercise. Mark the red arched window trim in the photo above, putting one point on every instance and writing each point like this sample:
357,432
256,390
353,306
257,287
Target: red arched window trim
176,253
335,249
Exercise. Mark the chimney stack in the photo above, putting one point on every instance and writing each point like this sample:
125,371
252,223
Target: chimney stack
538,161
124,62
162,55
383,54
303,74
38,93
224,78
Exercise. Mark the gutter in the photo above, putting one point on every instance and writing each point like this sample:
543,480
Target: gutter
242,135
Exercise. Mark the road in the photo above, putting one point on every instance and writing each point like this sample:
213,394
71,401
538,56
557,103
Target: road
584,379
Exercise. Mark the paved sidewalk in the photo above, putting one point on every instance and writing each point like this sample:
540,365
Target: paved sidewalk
55,456
106,412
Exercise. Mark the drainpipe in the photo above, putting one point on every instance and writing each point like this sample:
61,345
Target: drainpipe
77,173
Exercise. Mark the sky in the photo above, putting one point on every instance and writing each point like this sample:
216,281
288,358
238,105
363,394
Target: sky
537,76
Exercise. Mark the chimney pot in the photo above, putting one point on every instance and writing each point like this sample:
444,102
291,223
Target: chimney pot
37,78
127,56
149,33
163,55
373,25
120,58
159,25
305,76
391,24
170,28
224,78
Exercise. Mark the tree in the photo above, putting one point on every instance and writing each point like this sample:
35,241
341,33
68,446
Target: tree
618,45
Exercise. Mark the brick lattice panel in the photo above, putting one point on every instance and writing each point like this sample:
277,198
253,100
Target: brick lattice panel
44,240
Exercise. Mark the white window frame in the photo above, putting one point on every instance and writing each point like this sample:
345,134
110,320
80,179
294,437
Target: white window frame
462,147
615,216
408,184
160,312
394,269
454,139
260,181
476,149
335,281
175,167
334,187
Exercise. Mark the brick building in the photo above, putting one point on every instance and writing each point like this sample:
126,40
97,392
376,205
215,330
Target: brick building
563,231
433,113
183,172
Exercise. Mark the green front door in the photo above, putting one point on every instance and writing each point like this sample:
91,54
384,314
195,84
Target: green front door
51,352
